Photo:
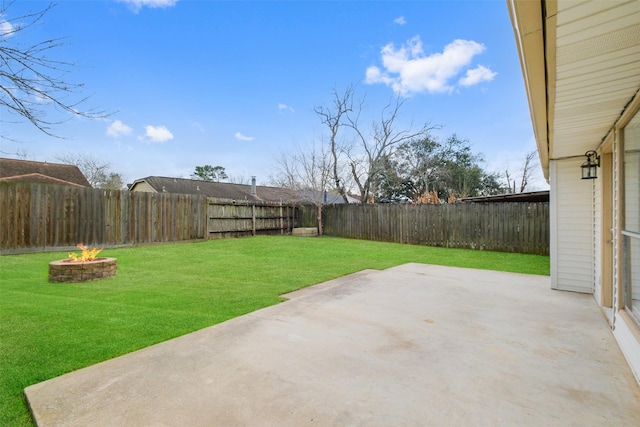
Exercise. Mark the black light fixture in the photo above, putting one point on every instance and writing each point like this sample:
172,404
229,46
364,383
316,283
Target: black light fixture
590,167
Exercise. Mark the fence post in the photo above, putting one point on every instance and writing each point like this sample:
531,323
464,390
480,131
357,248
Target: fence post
253,219
496,226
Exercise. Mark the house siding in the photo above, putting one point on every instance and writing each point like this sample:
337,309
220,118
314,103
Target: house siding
572,236
586,97
143,186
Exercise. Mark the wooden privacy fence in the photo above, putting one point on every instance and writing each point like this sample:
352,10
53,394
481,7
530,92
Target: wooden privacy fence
37,217
41,217
236,219
506,227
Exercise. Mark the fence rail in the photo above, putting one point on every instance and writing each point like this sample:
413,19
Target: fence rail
39,217
506,227
237,219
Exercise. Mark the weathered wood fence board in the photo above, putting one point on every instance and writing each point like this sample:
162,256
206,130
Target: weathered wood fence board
236,219
506,227
37,217
41,217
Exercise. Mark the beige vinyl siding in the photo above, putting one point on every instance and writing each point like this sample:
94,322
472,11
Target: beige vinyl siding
572,236
143,186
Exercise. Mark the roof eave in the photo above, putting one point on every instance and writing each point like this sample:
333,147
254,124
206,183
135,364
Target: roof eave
528,21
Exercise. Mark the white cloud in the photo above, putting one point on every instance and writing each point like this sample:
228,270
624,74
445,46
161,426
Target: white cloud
136,5
7,29
285,107
117,128
241,137
477,75
400,20
408,70
158,134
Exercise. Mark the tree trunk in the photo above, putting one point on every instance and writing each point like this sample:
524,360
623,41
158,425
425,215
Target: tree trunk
319,217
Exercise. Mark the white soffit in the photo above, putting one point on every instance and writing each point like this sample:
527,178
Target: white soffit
597,71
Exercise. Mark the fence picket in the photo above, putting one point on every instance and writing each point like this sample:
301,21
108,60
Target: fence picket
36,217
39,217
507,227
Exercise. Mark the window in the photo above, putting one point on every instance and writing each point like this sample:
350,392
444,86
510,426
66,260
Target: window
631,224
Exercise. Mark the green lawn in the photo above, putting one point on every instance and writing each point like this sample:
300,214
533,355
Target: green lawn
161,292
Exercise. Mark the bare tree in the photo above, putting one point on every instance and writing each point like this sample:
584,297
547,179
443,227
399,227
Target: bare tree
507,175
528,169
30,80
358,153
378,142
332,117
97,172
239,179
306,172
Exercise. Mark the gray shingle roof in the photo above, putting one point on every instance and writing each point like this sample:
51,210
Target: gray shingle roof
531,196
221,190
12,170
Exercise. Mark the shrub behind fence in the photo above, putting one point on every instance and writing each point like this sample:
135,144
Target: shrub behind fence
506,227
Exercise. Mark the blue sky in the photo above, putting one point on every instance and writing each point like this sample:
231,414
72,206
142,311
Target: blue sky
234,83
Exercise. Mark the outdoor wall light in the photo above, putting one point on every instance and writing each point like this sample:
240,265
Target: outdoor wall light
590,167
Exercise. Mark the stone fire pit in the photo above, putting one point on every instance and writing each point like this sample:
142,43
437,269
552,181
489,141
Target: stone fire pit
81,271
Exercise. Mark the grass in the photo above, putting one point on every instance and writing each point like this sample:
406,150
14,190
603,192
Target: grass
161,292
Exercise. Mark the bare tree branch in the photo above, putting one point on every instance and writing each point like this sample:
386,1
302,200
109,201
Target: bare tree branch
30,81
307,173
527,172
527,169
97,172
331,116
381,140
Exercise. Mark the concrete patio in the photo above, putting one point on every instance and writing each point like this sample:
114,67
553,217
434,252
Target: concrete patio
409,346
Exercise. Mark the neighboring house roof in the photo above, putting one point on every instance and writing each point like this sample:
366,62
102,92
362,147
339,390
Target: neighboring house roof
221,190
12,170
580,66
532,196
329,197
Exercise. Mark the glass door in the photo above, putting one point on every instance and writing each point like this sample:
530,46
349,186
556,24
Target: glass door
631,226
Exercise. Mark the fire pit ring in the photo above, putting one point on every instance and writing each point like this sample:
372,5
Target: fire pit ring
69,271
